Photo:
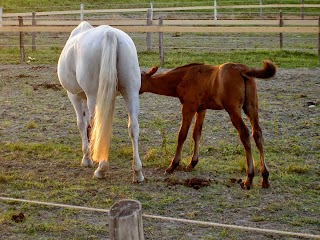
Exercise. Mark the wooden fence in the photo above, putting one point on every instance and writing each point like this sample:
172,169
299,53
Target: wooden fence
260,6
33,24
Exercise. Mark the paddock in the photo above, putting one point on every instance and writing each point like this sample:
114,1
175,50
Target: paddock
39,146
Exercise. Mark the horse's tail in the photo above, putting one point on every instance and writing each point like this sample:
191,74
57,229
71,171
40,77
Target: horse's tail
105,104
268,71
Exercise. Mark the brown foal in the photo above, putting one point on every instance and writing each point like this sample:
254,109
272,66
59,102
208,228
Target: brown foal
230,86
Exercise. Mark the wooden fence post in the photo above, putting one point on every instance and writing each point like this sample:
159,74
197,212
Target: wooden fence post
215,9
302,9
260,8
33,34
1,11
149,34
125,221
22,53
161,50
81,12
319,41
281,34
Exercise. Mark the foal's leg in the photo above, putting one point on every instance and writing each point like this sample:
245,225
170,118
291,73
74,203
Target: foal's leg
82,113
252,114
187,116
236,119
132,103
196,138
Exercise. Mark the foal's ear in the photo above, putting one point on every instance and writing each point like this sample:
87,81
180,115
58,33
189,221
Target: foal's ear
152,70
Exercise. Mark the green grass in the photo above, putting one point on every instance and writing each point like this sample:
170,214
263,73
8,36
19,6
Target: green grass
282,58
174,58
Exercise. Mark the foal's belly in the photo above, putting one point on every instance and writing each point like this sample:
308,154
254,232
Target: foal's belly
215,106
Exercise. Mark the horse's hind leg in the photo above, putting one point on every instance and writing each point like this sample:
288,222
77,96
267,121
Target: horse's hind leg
187,116
102,168
82,113
236,119
132,104
196,138
252,114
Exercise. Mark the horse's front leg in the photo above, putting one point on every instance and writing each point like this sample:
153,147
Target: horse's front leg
187,116
196,138
82,113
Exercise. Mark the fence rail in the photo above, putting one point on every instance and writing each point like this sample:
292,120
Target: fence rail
166,22
165,9
171,29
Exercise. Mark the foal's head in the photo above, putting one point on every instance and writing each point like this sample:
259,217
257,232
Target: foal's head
146,75
145,78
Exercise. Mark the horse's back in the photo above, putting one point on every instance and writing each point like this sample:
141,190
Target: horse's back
80,60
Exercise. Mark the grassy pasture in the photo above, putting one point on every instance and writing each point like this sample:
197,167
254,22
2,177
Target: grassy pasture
40,156
56,5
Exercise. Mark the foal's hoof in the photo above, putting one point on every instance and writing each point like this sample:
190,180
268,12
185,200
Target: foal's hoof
189,168
246,185
265,184
168,171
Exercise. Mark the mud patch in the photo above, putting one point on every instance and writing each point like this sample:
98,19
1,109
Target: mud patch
25,76
18,218
195,183
234,181
53,86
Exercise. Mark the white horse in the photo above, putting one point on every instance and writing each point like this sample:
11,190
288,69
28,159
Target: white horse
93,66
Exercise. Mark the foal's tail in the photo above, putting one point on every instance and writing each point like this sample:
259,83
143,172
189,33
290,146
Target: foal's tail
105,104
268,71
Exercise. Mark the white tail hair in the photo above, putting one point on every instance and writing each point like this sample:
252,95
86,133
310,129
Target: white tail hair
105,104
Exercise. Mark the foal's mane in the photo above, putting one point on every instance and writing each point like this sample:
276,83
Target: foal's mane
186,66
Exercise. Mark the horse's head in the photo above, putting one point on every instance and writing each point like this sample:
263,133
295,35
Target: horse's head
146,77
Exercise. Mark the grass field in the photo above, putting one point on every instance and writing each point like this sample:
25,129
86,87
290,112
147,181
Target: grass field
40,153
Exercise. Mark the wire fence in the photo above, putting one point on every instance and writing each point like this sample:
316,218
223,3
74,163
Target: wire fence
171,219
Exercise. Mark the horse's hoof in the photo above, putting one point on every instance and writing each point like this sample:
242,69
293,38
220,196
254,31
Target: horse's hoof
86,162
138,179
99,175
